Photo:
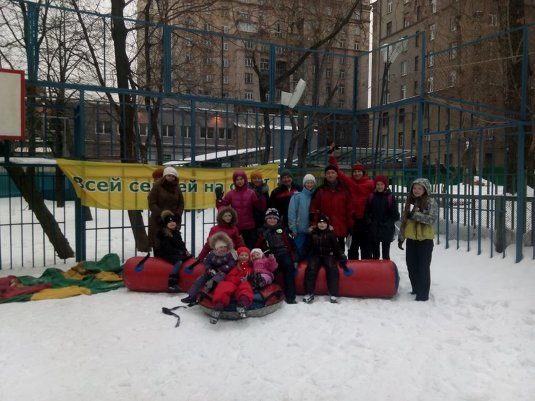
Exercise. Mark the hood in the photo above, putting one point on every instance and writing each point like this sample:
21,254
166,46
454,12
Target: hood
424,182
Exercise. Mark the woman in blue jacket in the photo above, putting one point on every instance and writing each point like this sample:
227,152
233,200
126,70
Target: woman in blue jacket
298,214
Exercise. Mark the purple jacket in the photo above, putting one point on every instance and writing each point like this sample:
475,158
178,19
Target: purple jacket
244,201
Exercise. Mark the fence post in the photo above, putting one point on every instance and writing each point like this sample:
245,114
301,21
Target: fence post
500,223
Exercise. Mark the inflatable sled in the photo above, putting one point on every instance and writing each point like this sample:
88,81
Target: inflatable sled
152,274
265,301
369,279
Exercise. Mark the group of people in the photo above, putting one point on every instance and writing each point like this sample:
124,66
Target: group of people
295,223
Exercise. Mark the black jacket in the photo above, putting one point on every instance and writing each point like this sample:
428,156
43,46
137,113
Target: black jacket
380,214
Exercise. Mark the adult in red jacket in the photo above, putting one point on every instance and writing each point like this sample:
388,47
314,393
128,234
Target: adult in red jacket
244,200
333,199
360,187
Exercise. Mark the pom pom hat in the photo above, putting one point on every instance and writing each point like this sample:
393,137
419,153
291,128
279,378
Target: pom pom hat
272,212
257,251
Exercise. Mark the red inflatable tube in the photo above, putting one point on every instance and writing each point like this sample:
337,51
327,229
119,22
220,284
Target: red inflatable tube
152,274
369,279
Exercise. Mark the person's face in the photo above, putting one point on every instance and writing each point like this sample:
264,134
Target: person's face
322,225
243,257
380,186
227,217
331,175
257,181
239,182
221,250
255,256
309,185
286,180
170,177
171,225
358,174
418,190
271,221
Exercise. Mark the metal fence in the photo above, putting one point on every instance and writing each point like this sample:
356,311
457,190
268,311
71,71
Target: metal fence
464,148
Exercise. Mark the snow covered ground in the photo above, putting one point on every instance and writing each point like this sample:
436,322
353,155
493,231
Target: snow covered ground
474,341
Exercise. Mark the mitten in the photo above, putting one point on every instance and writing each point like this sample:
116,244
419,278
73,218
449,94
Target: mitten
219,193
189,269
219,277
400,244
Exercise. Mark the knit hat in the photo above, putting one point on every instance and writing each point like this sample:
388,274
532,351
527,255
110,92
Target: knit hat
243,249
381,178
309,177
168,216
272,212
323,219
170,171
331,167
286,173
255,174
257,251
358,166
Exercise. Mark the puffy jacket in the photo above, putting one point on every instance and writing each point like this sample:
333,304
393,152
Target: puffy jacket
324,243
418,224
380,215
336,204
172,248
164,195
244,200
276,240
299,212
360,189
230,229
280,199
266,267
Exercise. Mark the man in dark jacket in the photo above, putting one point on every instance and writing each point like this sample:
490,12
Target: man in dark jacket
280,196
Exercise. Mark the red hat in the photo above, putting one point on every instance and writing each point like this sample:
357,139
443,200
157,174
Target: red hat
381,178
358,166
243,249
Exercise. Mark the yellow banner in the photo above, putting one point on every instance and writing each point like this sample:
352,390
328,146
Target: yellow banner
125,186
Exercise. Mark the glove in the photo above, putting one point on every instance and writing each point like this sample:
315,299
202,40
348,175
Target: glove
219,193
189,269
256,280
400,244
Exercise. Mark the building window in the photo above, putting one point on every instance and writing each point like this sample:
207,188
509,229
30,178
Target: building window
208,78
493,20
226,29
341,90
278,29
453,78
248,61
401,116
224,133
430,88
248,95
225,46
342,74
416,63
434,6
187,58
454,23
168,130
264,64
403,68
430,60
400,139
403,91
453,51
103,128
225,79
185,131
226,62
415,87
432,31
207,60
248,44
385,119
356,46
342,43
417,39
207,133
406,20
328,73
389,6
389,28
248,77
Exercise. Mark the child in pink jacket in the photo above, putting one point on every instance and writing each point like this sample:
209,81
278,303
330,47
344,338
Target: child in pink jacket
263,269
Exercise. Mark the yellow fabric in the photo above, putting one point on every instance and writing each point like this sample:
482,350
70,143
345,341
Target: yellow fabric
418,231
60,293
108,276
125,186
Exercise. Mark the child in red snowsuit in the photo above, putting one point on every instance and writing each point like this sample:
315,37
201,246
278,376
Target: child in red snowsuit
236,284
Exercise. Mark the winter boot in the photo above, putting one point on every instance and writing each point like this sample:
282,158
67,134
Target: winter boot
308,298
241,307
216,312
190,300
333,299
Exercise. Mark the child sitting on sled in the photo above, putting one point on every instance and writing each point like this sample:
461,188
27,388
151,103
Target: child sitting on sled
263,269
324,250
172,248
236,284
217,264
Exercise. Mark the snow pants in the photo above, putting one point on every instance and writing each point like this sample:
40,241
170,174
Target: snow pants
225,289
360,239
331,272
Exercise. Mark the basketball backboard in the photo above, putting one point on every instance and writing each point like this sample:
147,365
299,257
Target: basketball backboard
12,98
